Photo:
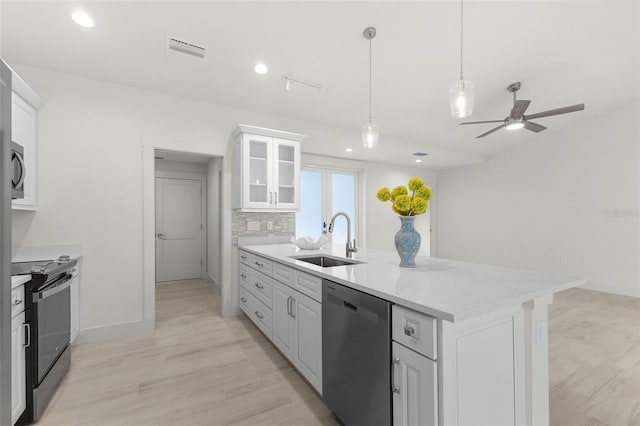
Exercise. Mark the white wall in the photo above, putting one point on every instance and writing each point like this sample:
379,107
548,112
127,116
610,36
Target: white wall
378,220
95,156
214,169
564,202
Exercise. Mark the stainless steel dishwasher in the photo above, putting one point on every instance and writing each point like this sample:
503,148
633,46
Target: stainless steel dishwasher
356,355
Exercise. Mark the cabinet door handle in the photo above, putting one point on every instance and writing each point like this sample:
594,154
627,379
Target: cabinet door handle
409,331
243,276
289,305
293,309
258,264
243,300
394,388
271,198
17,302
260,286
243,257
259,315
27,331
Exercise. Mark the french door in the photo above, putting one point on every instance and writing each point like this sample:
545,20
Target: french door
324,192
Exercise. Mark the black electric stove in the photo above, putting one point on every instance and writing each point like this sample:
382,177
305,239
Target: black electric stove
48,316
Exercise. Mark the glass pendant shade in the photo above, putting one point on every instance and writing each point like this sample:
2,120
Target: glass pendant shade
370,135
461,98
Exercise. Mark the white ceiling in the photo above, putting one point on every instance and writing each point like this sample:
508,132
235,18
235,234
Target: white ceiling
564,53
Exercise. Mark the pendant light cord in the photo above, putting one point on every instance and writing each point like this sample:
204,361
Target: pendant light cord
461,36
369,80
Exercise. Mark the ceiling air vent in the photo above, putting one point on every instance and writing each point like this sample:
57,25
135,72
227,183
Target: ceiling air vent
187,48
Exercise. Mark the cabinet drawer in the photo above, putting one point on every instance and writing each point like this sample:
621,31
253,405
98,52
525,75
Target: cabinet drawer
245,257
244,300
309,285
261,264
284,274
245,272
17,300
414,330
261,315
261,286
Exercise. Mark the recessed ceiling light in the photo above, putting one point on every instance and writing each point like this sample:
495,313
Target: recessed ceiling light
348,150
261,68
418,161
82,19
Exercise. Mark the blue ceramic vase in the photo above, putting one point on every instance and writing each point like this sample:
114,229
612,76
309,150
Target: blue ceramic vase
407,242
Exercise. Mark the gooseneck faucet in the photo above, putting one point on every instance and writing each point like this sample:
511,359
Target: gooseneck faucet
350,248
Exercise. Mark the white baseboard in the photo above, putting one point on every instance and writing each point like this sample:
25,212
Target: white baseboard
115,331
601,287
214,283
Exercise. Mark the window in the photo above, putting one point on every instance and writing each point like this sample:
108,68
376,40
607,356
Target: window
325,192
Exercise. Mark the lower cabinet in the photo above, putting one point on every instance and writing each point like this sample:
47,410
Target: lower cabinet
414,387
297,331
18,374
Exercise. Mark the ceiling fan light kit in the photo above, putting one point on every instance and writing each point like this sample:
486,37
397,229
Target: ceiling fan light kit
462,93
517,119
369,130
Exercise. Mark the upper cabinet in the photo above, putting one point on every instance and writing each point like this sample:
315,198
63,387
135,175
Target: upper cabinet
268,169
24,110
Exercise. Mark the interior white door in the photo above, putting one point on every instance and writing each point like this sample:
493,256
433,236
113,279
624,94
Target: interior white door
178,229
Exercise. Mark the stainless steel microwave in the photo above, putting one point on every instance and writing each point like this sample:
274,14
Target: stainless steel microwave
18,171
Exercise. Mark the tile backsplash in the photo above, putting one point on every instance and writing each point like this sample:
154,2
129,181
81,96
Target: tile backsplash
261,224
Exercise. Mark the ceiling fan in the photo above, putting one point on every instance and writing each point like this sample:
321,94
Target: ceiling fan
517,119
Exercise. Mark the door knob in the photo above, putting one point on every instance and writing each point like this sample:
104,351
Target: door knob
161,236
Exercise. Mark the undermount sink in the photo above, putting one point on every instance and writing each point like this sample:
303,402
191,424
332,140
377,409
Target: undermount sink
326,261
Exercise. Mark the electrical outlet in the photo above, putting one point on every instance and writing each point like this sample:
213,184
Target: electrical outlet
253,226
269,226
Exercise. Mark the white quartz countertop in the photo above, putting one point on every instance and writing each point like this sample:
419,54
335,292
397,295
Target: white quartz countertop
446,289
18,280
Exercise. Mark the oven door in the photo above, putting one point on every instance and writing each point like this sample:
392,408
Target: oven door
52,317
18,171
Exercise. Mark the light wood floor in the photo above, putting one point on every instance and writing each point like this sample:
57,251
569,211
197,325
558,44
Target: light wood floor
594,361
194,369
199,369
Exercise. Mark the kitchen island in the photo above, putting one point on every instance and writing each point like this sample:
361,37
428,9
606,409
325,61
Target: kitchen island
482,328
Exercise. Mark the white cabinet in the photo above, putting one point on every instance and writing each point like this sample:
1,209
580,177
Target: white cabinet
414,387
18,362
24,109
297,332
307,341
268,169
290,319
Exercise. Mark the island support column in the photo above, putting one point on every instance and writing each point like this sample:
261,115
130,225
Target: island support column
536,326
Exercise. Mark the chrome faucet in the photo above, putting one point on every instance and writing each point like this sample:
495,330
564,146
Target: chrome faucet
350,248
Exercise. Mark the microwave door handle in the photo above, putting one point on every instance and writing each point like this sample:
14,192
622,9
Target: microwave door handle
23,171
48,292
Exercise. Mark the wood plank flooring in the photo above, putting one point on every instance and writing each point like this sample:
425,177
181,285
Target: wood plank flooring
594,359
195,369
199,369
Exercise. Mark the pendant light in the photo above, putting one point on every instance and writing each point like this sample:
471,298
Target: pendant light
462,93
369,130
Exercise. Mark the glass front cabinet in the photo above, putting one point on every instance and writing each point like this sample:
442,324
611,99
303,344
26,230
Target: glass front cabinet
267,169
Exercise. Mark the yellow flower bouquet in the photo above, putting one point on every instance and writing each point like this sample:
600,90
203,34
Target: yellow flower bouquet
411,202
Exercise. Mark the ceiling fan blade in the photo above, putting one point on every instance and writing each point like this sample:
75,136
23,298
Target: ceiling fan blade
534,127
491,131
482,122
519,107
556,111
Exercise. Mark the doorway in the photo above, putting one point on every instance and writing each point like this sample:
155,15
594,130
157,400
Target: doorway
180,231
